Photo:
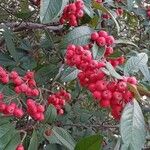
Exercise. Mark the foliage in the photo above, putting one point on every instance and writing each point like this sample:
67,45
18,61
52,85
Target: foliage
33,38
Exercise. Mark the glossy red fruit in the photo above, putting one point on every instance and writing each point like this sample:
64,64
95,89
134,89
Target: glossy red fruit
117,96
18,113
101,41
94,36
122,86
101,85
104,103
103,33
20,147
107,94
97,95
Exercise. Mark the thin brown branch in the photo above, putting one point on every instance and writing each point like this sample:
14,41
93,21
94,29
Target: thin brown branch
92,126
17,26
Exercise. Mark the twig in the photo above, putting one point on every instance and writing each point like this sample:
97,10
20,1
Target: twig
93,126
17,26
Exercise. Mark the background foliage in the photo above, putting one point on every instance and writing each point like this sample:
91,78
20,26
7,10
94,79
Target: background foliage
31,38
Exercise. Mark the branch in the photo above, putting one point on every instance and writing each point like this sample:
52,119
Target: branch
93,126
29,25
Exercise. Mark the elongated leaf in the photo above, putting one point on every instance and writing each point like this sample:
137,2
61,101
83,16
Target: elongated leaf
93,142
78,36
135,62
33,142
97,52
132,127
145,71
51,114
50,9
9,137
112,71
62,137
104,10
122,41
46,73
10,44
69,74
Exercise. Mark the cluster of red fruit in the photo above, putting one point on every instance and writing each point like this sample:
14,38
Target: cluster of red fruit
11,109
35,110
26,84
72,12
114,94
58,100
103,39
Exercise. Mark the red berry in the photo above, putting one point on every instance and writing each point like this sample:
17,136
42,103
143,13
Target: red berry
18,113
104,103
40,108
101,41
61,112
103,33
13,75
20,147
101,85
97,95
118,96
107,94
110,40
35,92
1,96
94,36
122,86
132,80
2,106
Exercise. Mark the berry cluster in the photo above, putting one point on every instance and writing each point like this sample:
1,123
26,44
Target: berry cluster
11,109
113,94
20,147
26,84
72,13
58,100
102,38
35,110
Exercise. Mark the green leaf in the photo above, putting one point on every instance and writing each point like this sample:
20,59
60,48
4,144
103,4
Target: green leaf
145,71
127,42
69,74
6,60
112,71
50,9
78,36
10,44
15,140
33,142
104,10
46,73
50,114
28,63
93,142
97,52
62,137
134,63
132,127
9,136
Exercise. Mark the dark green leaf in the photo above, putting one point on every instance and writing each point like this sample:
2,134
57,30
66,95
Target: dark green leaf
62,137
97,52
69,74
33,142
10,44
50,114
93,142
127,42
